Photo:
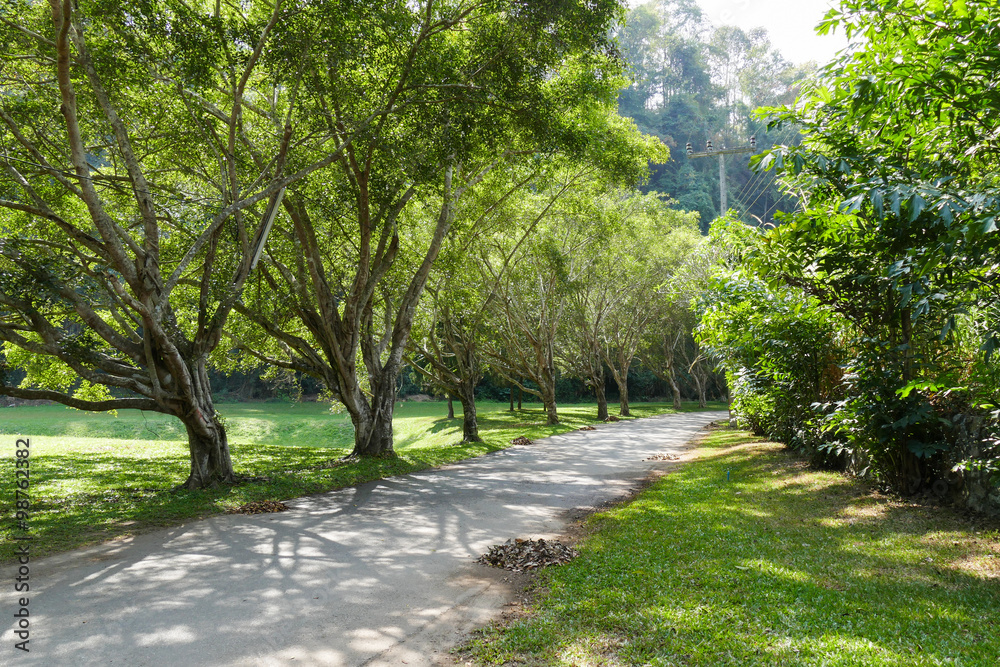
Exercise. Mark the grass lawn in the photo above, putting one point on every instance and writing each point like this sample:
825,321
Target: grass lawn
781,565
95,476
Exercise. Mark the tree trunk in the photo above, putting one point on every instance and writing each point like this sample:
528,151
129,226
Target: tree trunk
511,397
602,402
210,461
211,464
373,426
623,399
700,381
470,422
551,416
208,445
729,404
547,386
620,374
520,394
670,374
621,379
676,391
451,407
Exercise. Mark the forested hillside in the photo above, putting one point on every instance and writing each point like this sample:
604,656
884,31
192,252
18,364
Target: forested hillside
693,82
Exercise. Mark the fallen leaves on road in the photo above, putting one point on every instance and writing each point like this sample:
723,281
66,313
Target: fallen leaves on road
611,418
587,428
518,555
664,457
520,440
260,507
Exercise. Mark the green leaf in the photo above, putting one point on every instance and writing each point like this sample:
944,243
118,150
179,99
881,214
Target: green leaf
906,293
916,204
922,385
894,202
876,196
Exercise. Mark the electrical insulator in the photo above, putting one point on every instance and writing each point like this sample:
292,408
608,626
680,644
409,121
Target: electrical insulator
753,141
689,149
708,146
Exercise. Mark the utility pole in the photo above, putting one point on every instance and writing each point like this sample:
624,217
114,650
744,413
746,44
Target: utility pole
709,152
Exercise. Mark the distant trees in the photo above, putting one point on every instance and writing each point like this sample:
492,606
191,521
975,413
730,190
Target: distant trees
572,296
647,252
669,349
452,322
534,277
692,82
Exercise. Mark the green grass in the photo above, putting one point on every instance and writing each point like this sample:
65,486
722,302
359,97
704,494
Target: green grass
782,565
95,476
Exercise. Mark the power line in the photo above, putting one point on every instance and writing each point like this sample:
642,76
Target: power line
750,186
760,180
759,195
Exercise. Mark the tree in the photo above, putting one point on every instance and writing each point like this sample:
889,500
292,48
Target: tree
446,352
133,198
578,348
444,344
580,340
534,275
653,244
493,86
667,340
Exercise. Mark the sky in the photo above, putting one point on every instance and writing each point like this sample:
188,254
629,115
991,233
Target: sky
789,23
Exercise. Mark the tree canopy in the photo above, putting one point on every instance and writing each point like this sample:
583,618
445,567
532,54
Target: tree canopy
506,88
133,201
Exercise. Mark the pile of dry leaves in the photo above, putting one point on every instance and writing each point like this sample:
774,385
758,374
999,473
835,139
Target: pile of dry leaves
260,507
518,555
520,440
664,457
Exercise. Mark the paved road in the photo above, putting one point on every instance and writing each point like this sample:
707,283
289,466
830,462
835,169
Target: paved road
379,574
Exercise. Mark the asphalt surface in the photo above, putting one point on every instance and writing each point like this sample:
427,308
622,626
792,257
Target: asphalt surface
379,574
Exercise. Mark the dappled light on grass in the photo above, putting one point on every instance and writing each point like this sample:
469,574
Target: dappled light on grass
746,557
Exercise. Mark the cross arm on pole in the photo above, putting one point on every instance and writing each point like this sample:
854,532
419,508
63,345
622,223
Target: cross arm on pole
722,163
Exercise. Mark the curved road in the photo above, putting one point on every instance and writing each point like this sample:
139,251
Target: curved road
379,574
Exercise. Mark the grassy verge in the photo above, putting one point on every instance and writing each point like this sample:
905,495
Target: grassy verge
780,565
95,476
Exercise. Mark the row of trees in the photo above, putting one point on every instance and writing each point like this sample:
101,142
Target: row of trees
867,322
594,278
150,150
338,189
